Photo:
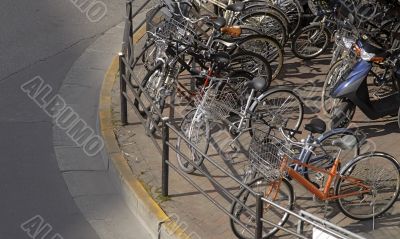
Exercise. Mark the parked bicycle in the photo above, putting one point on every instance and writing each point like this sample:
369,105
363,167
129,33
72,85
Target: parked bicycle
241,109
175,53
364,188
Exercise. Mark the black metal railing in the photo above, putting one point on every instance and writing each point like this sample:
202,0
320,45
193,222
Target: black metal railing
303,218
129,93
166,164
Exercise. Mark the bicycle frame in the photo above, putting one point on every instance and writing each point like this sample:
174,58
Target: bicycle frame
311,143
332,175
247,112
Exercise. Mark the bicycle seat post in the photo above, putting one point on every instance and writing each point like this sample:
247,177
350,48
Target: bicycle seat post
305,151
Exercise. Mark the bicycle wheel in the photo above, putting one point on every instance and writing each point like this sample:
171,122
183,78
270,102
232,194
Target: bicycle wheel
257,6
293,10
278,191
268,47
377,171
336,73
252,63
310,42
267,22
149,55
337,54
197,130
279,108
156,109
154,102
395,40
398,118
156,16
149,85
326,153
342,114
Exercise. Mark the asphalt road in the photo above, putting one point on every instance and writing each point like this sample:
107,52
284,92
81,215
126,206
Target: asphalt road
39,38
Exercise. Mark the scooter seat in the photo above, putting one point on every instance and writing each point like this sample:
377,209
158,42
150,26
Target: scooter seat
375,49
316,126
235,7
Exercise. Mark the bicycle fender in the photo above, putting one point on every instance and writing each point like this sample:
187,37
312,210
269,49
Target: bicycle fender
368,154
270,91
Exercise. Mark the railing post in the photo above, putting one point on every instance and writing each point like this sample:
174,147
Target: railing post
259,215
122,85
165,158
300,225
130,32
172,105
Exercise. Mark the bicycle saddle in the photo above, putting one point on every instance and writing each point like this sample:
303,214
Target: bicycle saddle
235,7
316,126
257,83
346,142
219,23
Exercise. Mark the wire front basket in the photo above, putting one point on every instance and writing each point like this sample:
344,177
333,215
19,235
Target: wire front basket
172,28
269,155
219,102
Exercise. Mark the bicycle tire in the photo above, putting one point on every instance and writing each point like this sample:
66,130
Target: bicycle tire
147,55
271,50
320,45
343,114
144,85
264,6
398,118
267,111
294,12
334,75
268,22
355,169
251,62
237,209
149,84
196,157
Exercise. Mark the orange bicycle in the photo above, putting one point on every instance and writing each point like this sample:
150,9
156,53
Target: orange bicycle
363,188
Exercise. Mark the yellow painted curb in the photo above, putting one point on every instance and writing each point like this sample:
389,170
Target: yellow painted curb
135,187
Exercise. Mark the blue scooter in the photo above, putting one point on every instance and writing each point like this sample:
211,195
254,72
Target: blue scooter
353,91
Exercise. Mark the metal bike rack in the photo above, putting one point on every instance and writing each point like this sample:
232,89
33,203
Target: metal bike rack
310,218
303,217
130,85
166,164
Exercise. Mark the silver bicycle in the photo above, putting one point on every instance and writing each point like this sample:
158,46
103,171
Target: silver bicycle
241,106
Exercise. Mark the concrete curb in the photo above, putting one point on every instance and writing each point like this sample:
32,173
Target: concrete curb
133,192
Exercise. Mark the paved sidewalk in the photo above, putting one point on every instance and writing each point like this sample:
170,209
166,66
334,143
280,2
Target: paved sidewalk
90,180
198,215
